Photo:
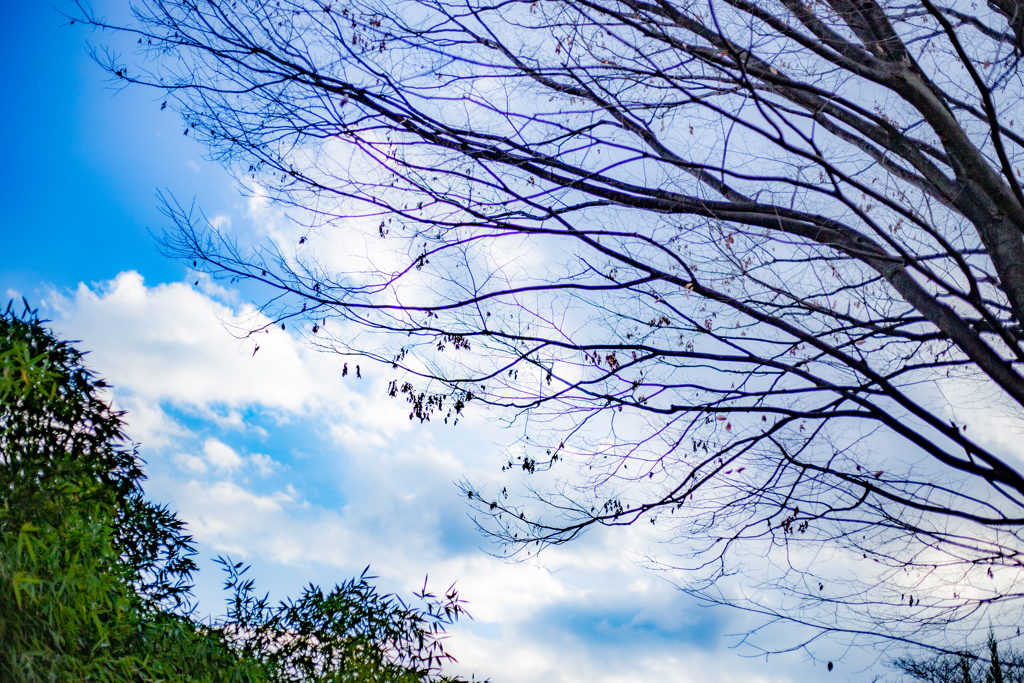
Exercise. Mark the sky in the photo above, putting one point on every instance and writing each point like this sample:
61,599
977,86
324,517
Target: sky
276,459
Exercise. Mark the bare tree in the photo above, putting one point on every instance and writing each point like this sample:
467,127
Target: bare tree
742,269
985,663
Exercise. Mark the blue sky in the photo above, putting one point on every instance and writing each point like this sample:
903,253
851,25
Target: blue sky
276,459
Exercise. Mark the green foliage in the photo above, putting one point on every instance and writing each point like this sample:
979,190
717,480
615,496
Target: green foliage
88,567
60,441
988,666
351,633
95,581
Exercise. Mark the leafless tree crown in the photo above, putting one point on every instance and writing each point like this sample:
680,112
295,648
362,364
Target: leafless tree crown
745,270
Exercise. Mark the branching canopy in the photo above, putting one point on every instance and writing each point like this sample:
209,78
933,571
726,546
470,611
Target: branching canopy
744,269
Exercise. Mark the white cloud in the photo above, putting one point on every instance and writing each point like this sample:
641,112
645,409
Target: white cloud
276,459
191,463
220,456
264,464
221,222
169,343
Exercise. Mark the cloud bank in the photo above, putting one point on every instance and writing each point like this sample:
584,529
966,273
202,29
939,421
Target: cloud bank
275,458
